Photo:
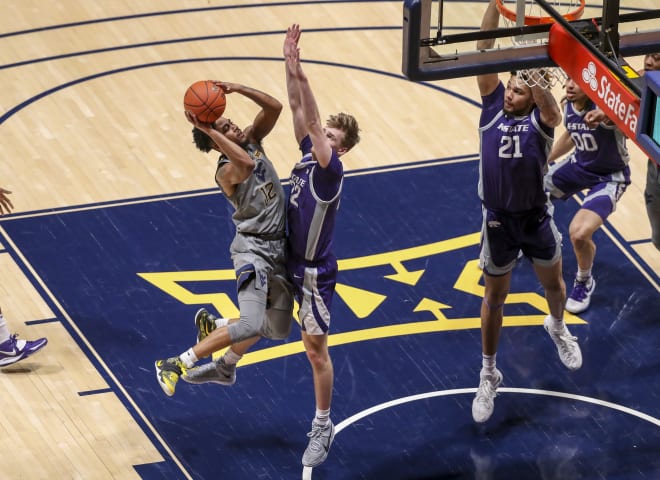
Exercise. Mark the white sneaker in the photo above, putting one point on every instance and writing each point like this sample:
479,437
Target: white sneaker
567,346
484,401
580,298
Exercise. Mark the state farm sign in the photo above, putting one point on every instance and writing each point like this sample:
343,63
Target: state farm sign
600,84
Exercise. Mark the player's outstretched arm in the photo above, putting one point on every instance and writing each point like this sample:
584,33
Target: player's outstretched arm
266,118
291,58
488,82
312,118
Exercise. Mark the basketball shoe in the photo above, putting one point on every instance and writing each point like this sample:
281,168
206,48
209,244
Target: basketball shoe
212,372
168,373
320,439
567,346
580,298
484,401
205,323
13,350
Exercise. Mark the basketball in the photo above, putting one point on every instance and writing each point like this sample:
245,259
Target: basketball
206,100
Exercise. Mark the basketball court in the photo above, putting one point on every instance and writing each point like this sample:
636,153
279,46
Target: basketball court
119,235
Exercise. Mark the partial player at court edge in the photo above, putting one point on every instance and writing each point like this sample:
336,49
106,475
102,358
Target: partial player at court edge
652,188
516,130
250,183
12,349
598,162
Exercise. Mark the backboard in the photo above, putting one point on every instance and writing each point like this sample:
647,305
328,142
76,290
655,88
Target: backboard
440,36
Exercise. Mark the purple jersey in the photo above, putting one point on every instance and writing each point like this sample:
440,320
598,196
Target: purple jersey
313,205
513,157
599,150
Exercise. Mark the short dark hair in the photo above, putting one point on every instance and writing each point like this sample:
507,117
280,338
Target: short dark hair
202,141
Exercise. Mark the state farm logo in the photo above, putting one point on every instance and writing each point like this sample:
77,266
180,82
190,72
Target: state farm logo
589,76
610,93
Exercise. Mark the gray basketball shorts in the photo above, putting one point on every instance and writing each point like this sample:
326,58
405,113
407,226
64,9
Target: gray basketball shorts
265,296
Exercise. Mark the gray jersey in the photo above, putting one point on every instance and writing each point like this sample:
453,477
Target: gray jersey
259,201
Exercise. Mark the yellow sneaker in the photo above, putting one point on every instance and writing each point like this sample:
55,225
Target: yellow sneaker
205,323
168,373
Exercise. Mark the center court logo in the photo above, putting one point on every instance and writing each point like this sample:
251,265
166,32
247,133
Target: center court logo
606,90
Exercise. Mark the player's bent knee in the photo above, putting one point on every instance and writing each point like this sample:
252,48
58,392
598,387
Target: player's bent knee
242,330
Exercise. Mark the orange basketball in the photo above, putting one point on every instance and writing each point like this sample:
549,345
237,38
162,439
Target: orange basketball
206,100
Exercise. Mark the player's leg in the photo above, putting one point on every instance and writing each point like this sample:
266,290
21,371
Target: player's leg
567,345
599,203
276,325
12,349
252,297
497,258
581,230
315,292
543,246
239,334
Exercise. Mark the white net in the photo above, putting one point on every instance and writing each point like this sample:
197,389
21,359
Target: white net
546,77
517,13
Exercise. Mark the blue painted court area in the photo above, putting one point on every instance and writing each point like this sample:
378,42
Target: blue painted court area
404,329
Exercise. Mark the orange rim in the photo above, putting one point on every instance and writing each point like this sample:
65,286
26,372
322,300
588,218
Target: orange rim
509,14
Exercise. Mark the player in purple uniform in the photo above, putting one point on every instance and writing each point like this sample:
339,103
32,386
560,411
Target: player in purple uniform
652,189
12,349
316,183
516,129
598,162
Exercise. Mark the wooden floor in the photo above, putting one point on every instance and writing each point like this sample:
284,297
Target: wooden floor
92,112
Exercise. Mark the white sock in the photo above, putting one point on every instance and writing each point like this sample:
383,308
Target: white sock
231,358
4,330
188,358
221,322
488,362
322,417
557,324
583,275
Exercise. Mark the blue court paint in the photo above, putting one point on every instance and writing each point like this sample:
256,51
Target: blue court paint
391,222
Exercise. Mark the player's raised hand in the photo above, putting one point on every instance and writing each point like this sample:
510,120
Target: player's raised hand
5,204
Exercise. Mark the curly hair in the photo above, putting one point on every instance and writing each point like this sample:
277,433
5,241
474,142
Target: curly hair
201,140
349,125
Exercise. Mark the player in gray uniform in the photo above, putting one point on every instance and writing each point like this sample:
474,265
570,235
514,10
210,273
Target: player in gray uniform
316,183
598,162
249,181
516,129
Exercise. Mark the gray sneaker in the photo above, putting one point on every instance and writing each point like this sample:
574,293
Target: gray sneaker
320,439
212,372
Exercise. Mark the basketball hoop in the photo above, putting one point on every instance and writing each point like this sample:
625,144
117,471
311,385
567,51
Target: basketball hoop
517,13
535,15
